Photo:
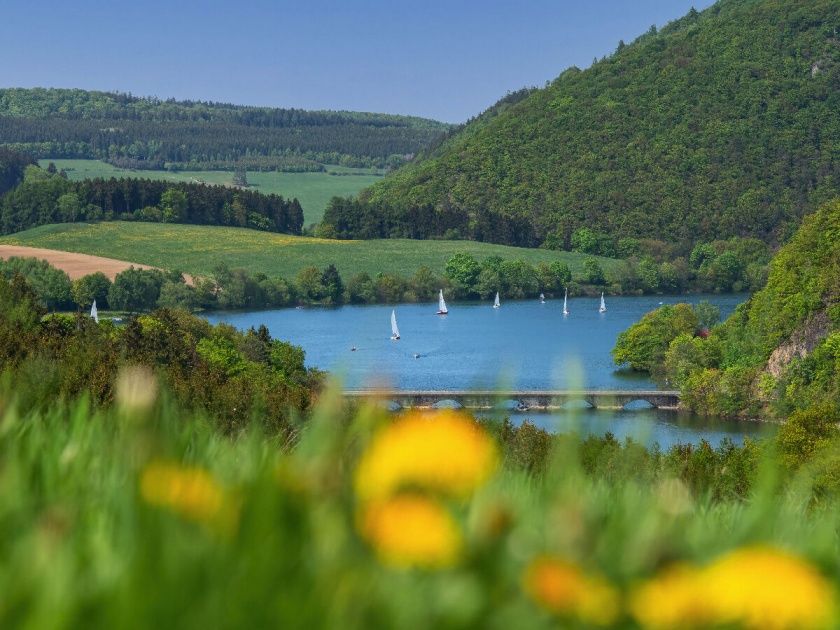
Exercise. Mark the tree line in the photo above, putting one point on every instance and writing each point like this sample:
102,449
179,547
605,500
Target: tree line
47,197
462,278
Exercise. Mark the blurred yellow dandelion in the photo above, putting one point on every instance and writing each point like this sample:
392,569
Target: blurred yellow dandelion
674,599
766,588
756,587
411,531
564,589
445,452
191,492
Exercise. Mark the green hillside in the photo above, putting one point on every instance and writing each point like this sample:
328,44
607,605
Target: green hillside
725,122
199,249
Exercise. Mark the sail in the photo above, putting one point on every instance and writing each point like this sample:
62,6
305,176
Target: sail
94,313
542,297
395,332
496,303
442,304
603,308
565,301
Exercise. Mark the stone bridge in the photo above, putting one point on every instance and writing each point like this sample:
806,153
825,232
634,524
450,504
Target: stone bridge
522,400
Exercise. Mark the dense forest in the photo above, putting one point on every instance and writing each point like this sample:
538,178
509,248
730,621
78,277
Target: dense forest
724,123
152,133
45,196
777,355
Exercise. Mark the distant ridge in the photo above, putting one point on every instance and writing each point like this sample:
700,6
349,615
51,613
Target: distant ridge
724,123
72,123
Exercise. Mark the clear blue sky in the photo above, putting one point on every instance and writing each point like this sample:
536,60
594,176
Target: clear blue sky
441,59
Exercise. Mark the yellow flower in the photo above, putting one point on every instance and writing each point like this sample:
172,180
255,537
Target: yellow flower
674,599
445,452
755,587
766,588
566,590
191,492
411,531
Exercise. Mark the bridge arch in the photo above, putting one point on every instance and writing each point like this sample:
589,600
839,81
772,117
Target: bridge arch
638,404
510,404
577,404
448,403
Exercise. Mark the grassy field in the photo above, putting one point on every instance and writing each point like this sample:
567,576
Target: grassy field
313,190
198,249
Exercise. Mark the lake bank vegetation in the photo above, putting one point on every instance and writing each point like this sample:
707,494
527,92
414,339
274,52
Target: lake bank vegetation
217,370
778,355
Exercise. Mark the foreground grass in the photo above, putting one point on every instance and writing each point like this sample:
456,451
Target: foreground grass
198,249
143,516
313,190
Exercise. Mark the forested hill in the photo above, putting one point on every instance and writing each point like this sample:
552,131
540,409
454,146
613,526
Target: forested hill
148,132
725,122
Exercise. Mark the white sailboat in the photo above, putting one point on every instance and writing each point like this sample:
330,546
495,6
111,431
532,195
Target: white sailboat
542,298
442,310
395,332
496,303
566,302
603,307
94,314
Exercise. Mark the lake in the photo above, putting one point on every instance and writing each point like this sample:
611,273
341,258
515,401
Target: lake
522,345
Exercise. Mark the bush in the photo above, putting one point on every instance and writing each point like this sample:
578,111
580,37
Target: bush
643,346
135,290
92,287
51,285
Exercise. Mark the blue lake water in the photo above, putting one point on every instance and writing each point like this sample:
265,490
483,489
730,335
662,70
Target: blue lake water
522,345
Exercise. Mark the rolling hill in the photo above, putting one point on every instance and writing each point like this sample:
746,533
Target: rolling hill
724,123
199,249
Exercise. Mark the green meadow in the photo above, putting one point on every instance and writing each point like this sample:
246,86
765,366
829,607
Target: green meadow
313,190
197,249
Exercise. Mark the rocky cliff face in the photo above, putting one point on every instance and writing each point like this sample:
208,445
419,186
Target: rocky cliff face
803,340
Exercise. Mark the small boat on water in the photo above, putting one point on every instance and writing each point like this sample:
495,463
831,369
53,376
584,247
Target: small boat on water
395,332
603,307
94,314
442,310
542,298
496,303
566,302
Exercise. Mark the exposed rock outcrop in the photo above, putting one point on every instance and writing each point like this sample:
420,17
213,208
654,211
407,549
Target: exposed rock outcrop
803,340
